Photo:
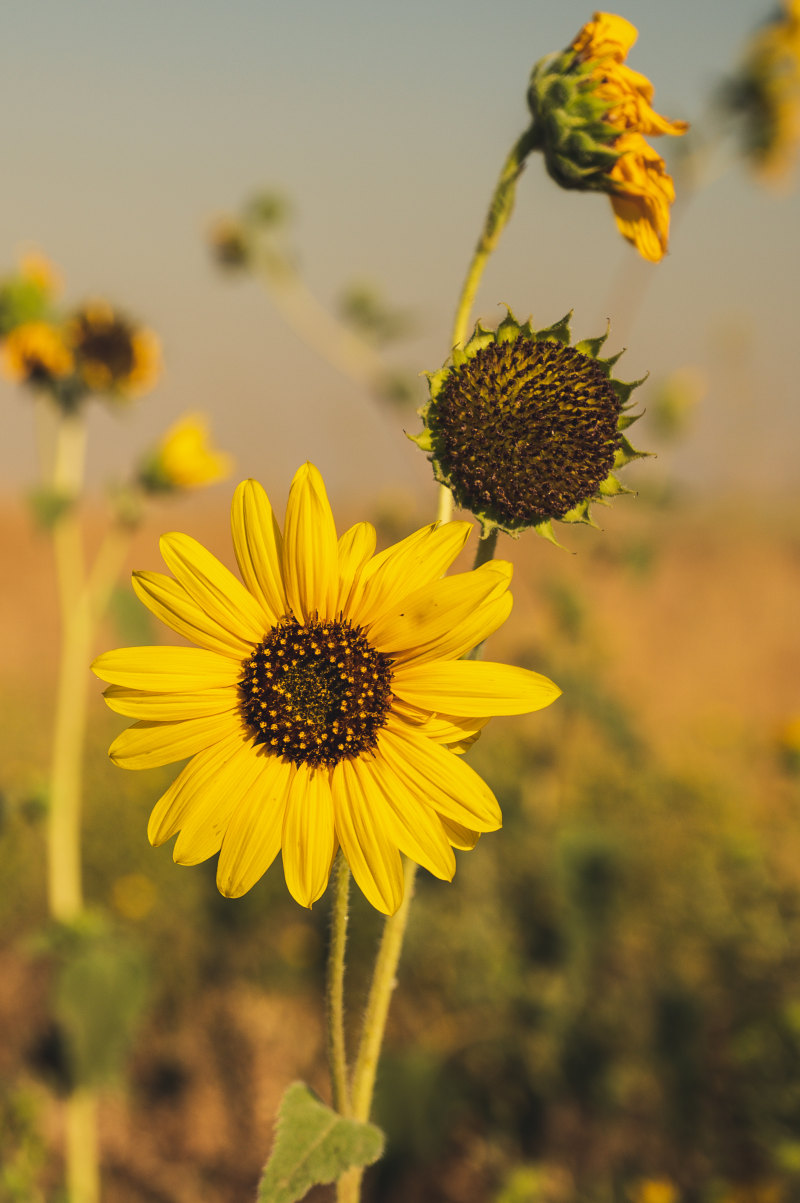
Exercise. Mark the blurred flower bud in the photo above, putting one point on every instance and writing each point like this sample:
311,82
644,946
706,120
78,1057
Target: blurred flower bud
112,354
184,459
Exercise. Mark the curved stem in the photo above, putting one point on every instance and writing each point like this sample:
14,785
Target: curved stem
337,1050
501,206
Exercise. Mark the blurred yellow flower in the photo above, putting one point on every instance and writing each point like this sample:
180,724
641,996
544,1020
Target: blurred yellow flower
111,353
640,188
133,895
35,353
184,459
655,1190
591,114
38,269
324,701
765,93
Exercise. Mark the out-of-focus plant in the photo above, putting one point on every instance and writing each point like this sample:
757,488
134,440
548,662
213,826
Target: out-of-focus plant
354,339
65,358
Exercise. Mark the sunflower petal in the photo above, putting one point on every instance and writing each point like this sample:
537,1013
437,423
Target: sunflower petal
443,615
148,745
168,707
176,803
166,669
214,588
473,688
371,854
412,824
417,560
308,840
253,838
203,830
310,551
438,777
258,544
170,602
356,546
460,837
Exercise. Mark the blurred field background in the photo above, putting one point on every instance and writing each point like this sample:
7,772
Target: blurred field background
604,1007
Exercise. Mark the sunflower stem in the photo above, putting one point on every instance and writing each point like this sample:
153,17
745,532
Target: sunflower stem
501,206
337,1050
384,981
83,1176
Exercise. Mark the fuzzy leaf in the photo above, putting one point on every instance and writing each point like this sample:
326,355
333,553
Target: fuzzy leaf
313,1145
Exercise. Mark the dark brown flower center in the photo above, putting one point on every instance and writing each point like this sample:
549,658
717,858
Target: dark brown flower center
316,693
109,343
525,430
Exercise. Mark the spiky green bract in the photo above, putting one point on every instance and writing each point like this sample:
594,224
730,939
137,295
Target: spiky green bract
570,122
526,429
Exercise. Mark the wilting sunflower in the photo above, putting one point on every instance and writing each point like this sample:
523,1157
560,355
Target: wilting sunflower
591,113
526,429
325,704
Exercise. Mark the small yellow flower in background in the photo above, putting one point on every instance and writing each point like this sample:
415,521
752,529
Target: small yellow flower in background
36,353
655,1190
133,896
111,353
26,295
325,703
591,115
765,95
184,459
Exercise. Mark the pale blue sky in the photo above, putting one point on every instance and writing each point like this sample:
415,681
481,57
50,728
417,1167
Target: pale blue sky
127,125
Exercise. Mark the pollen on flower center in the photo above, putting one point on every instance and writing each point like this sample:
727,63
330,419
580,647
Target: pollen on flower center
316,693
526,430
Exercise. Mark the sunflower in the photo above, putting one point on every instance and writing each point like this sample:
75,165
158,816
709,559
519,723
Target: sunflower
112,354
591,113
325,703
36,353
184,459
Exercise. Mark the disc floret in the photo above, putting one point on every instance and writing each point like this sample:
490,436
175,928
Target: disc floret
526,429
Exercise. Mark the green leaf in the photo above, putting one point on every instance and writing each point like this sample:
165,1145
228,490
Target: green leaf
313,1145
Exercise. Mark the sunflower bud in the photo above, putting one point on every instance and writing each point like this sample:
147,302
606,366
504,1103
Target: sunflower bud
184,459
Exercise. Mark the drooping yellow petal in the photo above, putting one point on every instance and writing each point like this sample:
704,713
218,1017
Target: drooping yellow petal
202,831
412,824
167,707
605,36
440,616
444,729
214,588
148,745
310,551
170,602
460,837
253,838
166,669
473,688
371,853
177,803
308,841
439,778
356,546
258,544
407,566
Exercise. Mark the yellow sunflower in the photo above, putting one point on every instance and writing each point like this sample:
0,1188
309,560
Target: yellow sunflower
325,702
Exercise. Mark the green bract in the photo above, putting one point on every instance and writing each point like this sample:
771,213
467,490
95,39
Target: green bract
570,122
526,429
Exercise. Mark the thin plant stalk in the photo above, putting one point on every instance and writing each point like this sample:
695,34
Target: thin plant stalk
337,1050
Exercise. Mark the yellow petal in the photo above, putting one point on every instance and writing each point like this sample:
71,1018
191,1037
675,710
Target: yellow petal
258,544
166,669
149,745
176,804
460,837
308,842
214,588
168,707
444,729
214,805
439,778
442,615
418,560
310,551
473,688
253,838
170,602
355,548
410,823
371,854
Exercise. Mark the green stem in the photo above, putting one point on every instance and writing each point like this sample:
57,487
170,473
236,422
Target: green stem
337,1051
83,1175
501,206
